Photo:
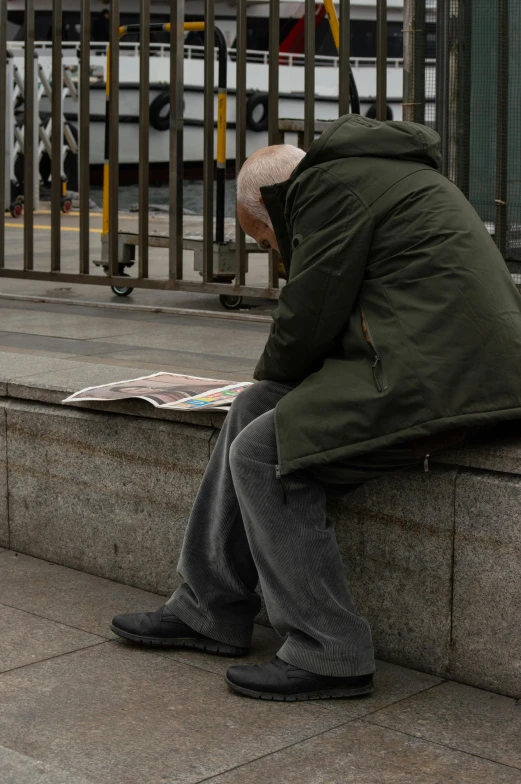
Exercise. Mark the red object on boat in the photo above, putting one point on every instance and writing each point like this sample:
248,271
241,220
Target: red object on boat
293,43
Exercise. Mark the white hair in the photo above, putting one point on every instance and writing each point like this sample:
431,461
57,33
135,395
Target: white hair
265,167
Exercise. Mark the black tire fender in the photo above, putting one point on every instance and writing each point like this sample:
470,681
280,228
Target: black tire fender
255,100
371,112
158,120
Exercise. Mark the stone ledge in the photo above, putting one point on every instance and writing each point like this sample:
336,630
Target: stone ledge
50,380
433,560
503,455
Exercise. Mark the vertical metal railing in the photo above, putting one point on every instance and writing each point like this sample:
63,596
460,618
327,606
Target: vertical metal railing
273,73
309,74
84,140
273,112
208,144
112,78
502,127
144,135
462,81
348,100
29,133
116,243
57,134
381,59
3,124
413,105
175,254
240,129
442,79
344,51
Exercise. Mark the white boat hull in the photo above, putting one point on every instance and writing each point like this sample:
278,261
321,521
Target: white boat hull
291,103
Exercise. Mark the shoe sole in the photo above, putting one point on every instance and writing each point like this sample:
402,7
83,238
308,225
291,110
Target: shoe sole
323,694
187,643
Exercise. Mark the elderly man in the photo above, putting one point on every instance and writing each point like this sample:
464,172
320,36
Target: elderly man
398,333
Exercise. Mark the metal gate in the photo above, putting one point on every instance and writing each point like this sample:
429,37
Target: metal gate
476,84
222,259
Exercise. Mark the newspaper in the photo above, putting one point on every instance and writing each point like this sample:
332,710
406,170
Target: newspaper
167,390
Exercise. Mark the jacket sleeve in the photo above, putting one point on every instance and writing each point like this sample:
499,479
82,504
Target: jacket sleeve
331,235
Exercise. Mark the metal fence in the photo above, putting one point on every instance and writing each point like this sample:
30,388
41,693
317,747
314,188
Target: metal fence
477,89
222,260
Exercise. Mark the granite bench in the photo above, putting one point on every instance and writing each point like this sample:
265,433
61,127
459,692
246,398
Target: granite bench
433,559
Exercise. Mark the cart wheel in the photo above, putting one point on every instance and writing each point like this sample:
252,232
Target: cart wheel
122,291
16,209
230,302
66,205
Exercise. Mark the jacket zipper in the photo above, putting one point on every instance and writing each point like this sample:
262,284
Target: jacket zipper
381,385
280,479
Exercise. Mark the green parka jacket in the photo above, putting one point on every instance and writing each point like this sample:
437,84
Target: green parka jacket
367,225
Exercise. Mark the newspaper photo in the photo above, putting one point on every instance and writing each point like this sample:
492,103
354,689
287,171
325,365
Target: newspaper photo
167,390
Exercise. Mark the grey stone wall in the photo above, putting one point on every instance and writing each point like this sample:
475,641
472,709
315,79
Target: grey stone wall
102,493
433,559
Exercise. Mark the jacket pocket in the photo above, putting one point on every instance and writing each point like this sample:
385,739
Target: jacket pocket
379,376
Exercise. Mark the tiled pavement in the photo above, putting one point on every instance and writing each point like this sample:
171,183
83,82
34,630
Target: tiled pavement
59,334
80,707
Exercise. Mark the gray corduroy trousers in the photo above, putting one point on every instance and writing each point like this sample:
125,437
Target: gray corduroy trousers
246,526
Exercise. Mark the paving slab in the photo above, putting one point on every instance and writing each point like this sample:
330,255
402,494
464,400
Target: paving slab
20,769
14,364
392,682
27,639
244,340
396,541
34,320
359,753
462,717
174,341
208,364
117,715
65,595
141,297
486,638
115,502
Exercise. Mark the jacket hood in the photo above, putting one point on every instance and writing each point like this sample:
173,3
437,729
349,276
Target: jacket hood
352,136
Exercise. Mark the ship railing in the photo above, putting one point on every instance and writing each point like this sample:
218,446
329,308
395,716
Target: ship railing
195,52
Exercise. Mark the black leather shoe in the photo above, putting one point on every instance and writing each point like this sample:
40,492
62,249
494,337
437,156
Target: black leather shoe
164,629
277,680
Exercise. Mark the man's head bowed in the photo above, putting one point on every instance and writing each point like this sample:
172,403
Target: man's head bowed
266,166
